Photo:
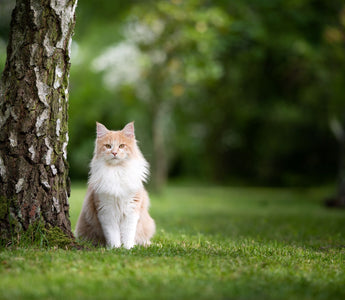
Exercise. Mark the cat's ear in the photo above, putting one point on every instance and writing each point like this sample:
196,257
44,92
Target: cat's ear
101,130
128,130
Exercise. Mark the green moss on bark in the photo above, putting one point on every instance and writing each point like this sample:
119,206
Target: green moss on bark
38,235
3,208
55,237
5,205
10,227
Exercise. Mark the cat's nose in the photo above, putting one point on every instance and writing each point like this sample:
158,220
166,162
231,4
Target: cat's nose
114,153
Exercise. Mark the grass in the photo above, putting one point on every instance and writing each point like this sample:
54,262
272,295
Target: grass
211,243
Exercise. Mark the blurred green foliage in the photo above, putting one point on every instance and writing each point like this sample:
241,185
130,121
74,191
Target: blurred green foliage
238,91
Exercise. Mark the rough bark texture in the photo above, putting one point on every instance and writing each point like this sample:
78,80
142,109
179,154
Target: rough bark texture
34,183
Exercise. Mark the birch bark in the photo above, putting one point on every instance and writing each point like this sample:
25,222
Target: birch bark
34,183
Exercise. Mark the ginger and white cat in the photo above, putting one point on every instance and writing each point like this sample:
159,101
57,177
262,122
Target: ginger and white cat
115,209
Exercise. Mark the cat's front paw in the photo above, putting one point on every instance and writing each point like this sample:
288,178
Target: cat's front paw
128,245
113,245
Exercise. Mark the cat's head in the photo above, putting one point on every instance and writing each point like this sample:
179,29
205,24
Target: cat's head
115,147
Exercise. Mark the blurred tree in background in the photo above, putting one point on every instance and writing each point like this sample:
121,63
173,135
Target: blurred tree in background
335,47
229,91
169,52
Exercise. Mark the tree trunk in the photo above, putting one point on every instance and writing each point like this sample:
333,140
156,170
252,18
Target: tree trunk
160,162
341,184
339,133
34,183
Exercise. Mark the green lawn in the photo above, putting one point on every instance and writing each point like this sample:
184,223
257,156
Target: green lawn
211,243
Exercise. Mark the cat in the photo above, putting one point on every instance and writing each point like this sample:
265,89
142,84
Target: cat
115,208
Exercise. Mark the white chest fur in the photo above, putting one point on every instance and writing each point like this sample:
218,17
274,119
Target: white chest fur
116,186
119,181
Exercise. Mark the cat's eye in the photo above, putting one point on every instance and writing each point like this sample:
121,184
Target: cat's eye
108,146
122,146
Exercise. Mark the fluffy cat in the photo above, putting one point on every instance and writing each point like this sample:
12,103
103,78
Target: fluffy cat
115,209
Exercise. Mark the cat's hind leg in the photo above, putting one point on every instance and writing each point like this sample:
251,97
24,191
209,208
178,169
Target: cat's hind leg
145,229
